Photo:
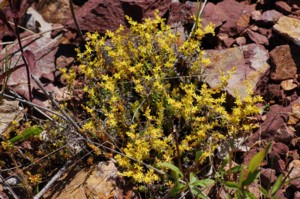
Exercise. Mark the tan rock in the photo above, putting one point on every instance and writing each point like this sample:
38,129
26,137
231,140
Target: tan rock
288,85
295,164
289,28
294,117
255,15
96,182
241,41
54,11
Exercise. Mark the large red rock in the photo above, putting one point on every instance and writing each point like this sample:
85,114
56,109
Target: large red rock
250,62
104,15
231,15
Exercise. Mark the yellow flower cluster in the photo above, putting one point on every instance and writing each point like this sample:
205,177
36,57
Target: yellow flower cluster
138,96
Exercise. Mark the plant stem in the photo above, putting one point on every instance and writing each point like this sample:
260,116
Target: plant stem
177,148
75,21
23,58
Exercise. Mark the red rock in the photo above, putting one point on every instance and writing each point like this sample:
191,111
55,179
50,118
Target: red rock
236,16
284,65
284,134
105,15
180,13
243,22
295,7
209,15
63,61
297,12
283,7
269,17
276,163
275,119
280,149
47,77
227,41
265,31
257,38
273,92
267,177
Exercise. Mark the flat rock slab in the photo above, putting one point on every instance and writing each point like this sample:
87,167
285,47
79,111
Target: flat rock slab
89,183
289,28
250,62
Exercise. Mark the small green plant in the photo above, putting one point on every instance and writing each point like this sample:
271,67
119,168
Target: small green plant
271,193
193,185
144,98
248,175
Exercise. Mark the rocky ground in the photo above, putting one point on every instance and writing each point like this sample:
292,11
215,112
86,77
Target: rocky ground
261,38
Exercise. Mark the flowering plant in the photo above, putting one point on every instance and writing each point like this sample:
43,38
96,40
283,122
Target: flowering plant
145,98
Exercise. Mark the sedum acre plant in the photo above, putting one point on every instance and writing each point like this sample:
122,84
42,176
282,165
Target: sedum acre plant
144,97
